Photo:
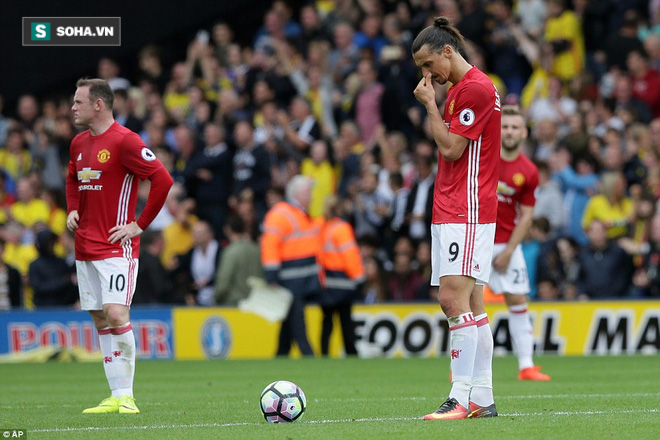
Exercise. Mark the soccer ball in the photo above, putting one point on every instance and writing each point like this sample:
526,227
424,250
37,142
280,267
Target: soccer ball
282,402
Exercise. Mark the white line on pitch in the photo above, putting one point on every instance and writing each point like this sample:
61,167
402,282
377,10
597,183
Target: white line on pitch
362,420
421,398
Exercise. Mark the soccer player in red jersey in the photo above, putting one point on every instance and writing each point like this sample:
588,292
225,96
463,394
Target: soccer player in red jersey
464,210
107,161
519,178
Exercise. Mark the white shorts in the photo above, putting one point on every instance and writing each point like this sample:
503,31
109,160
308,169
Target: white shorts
515,279
109,281
461,249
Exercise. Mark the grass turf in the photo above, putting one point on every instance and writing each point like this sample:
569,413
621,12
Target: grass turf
588,398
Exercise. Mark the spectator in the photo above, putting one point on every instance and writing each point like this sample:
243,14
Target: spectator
563,32
251,168
370,36
56,202
627,106
368,102
645,80
196,269
612,208
371,207
108,69
302,129
154,283
46,159
647,277
556,107
578,185
49,276
240,260
605,268
546,134
222,36
28,209
178,234
549,199
123,113
208,178
374,289
151,67
317,166
618,45
502,48
19,247
28,114
11,288
347,149
419,207
15,159
404,283
532,246
343,58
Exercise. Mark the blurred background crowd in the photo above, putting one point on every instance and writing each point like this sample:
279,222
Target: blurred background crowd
324,89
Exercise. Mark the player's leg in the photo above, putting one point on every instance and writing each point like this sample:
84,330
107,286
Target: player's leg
450,270
520,328
118,277
482,402
89,287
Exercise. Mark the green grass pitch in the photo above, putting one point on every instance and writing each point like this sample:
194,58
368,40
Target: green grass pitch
588,398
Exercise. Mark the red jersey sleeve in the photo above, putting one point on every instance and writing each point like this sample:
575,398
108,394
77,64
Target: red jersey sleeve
474,108
527,196
142,162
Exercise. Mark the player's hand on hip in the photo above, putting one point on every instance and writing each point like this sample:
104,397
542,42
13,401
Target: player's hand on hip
424,92
72,220
123,233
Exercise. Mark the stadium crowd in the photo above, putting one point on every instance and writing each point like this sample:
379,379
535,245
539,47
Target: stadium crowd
326,92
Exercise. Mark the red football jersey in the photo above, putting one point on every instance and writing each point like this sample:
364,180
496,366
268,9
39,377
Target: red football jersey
102,185
465,189
518,181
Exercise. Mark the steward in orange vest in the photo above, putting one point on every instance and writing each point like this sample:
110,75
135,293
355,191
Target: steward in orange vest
290,246
344,272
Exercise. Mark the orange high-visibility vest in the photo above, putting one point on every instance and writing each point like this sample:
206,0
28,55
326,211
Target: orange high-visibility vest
290,246
340,258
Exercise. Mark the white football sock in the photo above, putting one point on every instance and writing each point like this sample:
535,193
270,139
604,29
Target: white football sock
482,380
105,344
463,347
123,358
520,327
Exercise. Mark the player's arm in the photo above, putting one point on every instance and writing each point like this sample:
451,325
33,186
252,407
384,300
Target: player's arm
72,218
451,145
501,261
143,163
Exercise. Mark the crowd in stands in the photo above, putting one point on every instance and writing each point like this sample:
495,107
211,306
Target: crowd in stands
326,91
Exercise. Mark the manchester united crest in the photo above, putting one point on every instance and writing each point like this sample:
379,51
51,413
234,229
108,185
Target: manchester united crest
518,179
103,156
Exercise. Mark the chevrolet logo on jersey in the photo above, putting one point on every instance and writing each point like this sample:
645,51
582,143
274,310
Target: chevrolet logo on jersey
87,174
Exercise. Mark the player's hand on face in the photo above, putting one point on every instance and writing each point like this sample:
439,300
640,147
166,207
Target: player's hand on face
424,92
123,233
72,220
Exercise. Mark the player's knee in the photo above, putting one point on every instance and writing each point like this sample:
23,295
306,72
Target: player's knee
116,316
